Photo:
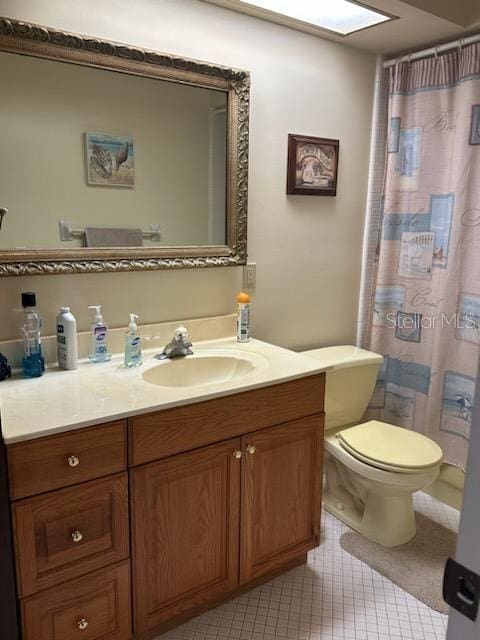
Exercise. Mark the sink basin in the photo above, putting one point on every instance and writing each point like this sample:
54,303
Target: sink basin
208,367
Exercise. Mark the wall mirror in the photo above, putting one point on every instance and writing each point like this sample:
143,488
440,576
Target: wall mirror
117,158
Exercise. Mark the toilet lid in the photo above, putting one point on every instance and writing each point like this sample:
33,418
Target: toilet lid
386,446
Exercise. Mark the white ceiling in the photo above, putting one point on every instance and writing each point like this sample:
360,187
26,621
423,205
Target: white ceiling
420,23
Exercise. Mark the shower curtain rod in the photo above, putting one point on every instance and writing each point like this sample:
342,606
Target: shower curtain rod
432,51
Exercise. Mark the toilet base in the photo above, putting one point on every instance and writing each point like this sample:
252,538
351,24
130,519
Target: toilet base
385,520
376,503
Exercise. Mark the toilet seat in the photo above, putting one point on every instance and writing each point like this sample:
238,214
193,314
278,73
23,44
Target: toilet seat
388,447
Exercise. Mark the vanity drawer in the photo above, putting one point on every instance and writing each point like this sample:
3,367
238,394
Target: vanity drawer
52,462
67,533
94,607
172,431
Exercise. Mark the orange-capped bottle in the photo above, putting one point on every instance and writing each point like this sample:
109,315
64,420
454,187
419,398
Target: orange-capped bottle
243,317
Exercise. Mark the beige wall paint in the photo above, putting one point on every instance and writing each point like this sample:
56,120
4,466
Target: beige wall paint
49,106
307,249
461,12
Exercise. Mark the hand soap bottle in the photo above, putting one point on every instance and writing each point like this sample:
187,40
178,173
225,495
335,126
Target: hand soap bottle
99,352
133,349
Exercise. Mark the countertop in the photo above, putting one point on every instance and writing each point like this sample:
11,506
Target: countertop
61,401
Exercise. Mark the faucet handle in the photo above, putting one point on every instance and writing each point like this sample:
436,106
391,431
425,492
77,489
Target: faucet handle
181,334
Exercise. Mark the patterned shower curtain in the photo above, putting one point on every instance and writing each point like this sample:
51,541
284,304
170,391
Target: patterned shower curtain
424,302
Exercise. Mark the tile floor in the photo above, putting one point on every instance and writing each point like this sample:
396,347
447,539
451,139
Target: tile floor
333,597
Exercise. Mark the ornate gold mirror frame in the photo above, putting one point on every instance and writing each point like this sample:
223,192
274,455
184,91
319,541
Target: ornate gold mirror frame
44,42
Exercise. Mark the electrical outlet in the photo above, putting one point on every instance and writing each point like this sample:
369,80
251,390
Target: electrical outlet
250,275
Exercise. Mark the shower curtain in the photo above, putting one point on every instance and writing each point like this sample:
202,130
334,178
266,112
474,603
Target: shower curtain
422,294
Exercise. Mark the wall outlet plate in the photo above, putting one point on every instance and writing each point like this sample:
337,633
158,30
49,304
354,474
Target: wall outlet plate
250,275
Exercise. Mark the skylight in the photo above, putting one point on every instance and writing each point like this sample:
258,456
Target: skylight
341,16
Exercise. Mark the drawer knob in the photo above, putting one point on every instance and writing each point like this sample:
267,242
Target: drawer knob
82,624
73,461
251,448
77,536
237,455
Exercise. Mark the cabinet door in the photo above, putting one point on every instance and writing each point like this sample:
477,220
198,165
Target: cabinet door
185,532
281,495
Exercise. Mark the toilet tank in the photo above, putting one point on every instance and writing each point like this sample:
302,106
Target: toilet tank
350,383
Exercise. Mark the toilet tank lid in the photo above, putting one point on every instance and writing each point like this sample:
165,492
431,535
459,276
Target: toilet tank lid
344,356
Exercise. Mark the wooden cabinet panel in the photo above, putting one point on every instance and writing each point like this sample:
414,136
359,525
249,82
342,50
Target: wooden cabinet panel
281,494
228,494
162,434
185,532
95,607
66,459
67,533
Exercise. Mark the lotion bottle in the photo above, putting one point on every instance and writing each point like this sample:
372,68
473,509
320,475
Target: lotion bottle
243,317
133,349
67,350
99,352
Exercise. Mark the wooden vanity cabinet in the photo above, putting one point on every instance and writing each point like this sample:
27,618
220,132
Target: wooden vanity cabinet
218,496
195,540
186,513
281,495
71,534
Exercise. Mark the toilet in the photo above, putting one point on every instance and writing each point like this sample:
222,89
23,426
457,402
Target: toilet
372,468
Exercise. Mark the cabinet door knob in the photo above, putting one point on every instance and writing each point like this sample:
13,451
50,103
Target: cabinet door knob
73,461
82,624
251,448
237,454
77,536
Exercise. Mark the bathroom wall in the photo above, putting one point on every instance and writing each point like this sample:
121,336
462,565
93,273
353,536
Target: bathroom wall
307,249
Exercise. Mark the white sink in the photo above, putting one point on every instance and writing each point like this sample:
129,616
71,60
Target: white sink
207,366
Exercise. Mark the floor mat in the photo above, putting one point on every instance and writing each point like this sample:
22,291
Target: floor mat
417,566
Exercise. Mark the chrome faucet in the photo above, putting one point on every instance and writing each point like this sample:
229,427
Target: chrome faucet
179,347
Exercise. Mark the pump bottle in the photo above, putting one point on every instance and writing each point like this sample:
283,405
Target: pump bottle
99,351
133,349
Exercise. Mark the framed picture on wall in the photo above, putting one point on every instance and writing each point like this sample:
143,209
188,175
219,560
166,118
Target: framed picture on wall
110,160
312,166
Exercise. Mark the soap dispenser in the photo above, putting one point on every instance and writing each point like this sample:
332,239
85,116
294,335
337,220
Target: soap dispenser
99,351
133,349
